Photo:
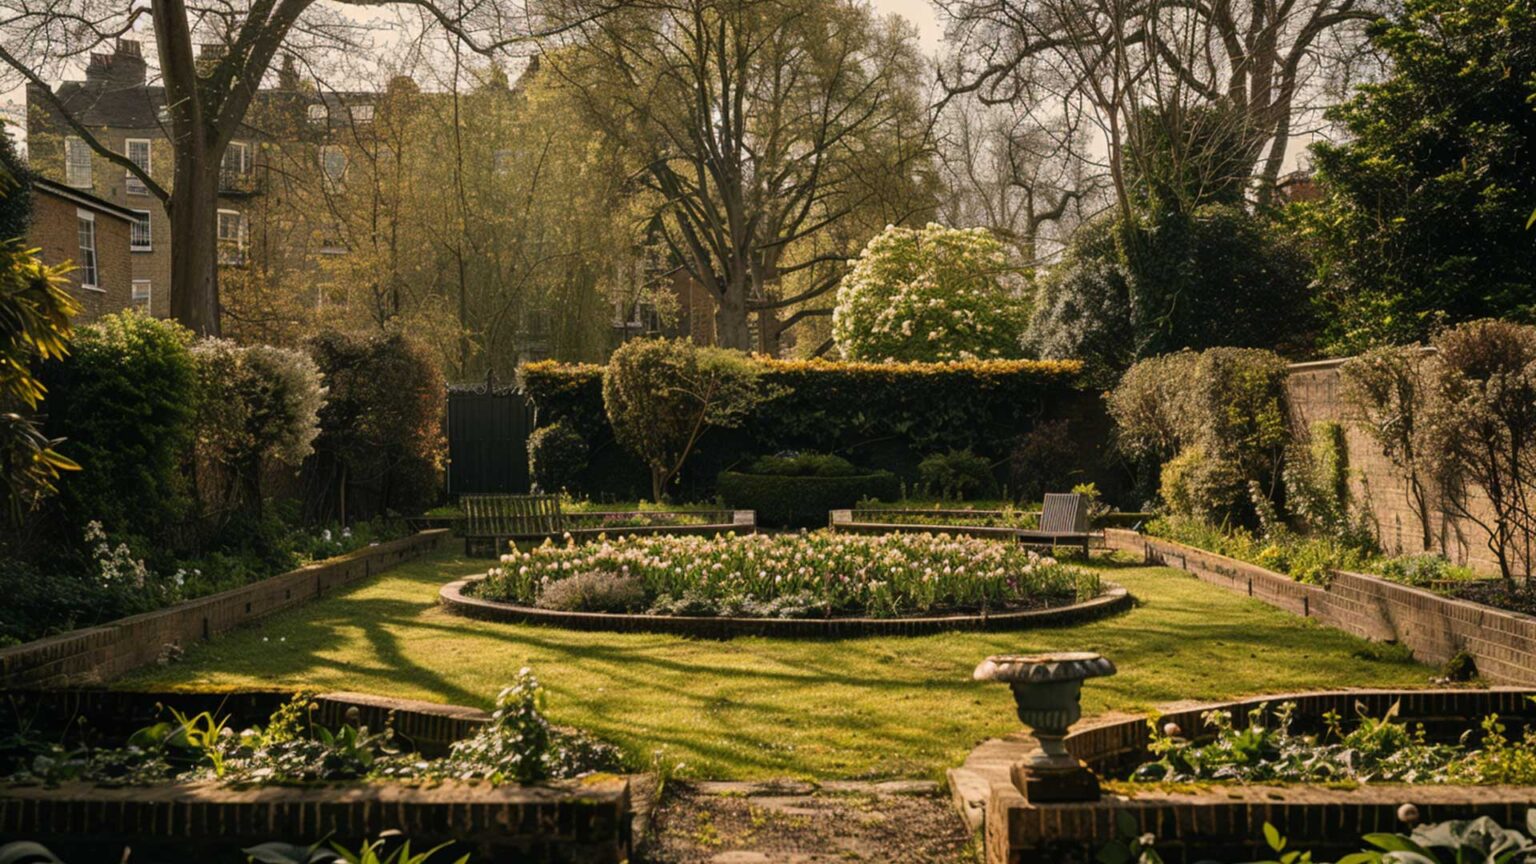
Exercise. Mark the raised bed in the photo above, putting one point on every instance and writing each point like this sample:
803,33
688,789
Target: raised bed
1225,821
1501,644
96,654
1113,599
878,521
576,821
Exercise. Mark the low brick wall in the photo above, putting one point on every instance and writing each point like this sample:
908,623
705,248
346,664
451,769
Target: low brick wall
1435,628
99,654
1114,599
579,821
1225,822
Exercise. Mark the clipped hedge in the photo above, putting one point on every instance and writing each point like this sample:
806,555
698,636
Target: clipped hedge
802,501
886,415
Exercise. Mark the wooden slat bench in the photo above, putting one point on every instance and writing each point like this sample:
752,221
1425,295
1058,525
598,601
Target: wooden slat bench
1063,521
495,520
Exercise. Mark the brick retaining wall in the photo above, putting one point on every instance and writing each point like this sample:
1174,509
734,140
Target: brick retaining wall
1378,487
1435,628
98,654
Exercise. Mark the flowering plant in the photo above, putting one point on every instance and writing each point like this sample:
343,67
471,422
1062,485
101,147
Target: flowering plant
929,294
819,574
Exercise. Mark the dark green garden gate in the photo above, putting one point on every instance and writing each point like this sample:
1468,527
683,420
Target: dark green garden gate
488,429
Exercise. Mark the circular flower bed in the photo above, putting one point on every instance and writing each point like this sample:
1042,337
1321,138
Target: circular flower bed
819,575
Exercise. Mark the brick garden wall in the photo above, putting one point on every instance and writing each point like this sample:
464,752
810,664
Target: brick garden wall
1502,644
1377,485
98,654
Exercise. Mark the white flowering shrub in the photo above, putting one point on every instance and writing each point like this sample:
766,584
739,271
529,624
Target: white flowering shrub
929,294
258,405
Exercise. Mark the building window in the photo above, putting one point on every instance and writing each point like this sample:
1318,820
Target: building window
141,294
231,237
77,162
333,161
140,237
137,150
319,114
362,114
86,222
237,158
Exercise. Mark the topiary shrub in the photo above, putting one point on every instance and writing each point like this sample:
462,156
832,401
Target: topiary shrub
557,454
661,395
380,447
802,501
957,474
125,399
931,294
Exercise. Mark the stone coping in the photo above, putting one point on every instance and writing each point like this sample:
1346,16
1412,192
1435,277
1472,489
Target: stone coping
1225,820
101,653
1501,643
1113,599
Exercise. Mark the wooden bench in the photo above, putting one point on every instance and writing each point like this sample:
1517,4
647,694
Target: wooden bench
496,520
1063,521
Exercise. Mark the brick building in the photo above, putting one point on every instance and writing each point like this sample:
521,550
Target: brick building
127,115
73,226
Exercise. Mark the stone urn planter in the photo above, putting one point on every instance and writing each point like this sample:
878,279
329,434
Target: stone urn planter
1047,692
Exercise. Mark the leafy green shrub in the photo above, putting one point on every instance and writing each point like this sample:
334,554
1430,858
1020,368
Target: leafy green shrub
557,454
1305,559
1197,485
895,574
661,395
380,430
125,398
1043,460
802,502
930,294
1225,404
957,474
1421,571
593,592
803,465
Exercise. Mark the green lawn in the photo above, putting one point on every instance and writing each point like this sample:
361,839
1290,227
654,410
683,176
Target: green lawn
753,708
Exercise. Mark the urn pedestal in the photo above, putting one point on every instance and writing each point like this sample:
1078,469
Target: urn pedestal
1047,691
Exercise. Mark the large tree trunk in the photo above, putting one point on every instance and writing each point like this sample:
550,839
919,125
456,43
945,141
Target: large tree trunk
193,211
731,330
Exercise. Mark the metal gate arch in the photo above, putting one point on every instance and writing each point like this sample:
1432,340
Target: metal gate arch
488,427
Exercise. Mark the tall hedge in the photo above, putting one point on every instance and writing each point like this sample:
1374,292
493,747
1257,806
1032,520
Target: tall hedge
125,401
879,415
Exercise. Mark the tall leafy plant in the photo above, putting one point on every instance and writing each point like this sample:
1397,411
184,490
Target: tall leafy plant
1386,392
662,395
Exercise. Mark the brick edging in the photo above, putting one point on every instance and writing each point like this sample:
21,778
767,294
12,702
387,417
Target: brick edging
98,654
1501,643
1114,599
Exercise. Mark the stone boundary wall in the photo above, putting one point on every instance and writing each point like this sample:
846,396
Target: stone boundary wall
98,654
1434,628
1114,599
1379,489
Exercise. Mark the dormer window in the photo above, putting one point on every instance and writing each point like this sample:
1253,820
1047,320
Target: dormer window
362,114
319,114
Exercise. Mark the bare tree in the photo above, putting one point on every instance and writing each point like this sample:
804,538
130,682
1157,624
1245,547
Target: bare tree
1139,63
207,97
1024,178
761,127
